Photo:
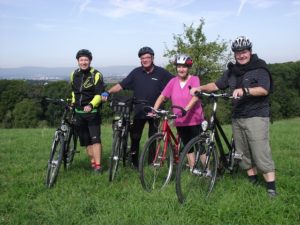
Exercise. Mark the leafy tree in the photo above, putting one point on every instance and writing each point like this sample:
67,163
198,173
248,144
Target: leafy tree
26,114
209,58
11,92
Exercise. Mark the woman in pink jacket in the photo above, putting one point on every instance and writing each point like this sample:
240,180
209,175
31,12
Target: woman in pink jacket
178,91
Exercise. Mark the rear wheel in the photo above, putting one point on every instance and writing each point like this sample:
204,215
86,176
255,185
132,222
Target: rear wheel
155,165
192,183
55,159
115,155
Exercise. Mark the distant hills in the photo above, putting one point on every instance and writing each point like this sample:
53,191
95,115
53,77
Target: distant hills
58,73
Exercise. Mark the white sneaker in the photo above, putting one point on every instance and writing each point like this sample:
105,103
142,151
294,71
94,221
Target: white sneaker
208,174
195,171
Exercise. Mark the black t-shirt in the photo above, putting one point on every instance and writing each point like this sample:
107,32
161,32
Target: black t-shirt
248,106
146,86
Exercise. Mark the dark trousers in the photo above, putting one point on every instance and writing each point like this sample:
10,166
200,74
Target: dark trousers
136,132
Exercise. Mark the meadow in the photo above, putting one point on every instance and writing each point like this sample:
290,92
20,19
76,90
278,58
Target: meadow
82,197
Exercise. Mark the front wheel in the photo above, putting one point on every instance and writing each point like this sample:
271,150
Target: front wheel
192,182
115,155
55,159
70,148
156,163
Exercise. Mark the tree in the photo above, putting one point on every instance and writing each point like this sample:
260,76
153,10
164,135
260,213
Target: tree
26,114
209,58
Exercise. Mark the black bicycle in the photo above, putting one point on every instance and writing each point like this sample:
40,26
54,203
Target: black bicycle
64,142
211,157
121,125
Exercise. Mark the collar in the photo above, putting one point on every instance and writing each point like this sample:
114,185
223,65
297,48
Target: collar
150,71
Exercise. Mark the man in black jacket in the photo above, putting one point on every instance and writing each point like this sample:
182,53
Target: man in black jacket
250,82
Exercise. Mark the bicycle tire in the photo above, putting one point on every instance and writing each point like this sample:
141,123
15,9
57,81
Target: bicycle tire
191,186
71,148
155,173
55,160
115,155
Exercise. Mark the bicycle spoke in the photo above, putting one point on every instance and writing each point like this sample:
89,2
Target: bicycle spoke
155,165
115,156
55,160
198,181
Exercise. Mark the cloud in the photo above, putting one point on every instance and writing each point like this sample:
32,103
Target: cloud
258,4
84,5
121,8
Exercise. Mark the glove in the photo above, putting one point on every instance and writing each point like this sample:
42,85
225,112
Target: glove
105,94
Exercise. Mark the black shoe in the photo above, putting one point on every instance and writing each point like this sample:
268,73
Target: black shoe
272,193
134,166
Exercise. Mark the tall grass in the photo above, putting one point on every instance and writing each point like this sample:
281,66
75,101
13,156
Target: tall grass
81,197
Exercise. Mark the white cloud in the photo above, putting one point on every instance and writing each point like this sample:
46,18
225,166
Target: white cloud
259,4
121,8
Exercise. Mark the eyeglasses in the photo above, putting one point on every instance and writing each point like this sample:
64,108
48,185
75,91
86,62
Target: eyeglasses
146,57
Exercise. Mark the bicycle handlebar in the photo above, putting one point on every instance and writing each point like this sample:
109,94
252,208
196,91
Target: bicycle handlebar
62,102
213,95
162,112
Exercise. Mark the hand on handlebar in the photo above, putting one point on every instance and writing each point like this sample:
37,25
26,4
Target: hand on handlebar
104,96
238,93
151,114
193,90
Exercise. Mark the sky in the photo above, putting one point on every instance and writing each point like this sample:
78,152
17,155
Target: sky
48,33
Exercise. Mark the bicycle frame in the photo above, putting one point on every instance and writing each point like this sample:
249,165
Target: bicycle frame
218,134
169,137
122,125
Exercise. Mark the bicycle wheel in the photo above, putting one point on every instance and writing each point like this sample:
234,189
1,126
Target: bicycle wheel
198,181
70,148
115,155
155,166
55,159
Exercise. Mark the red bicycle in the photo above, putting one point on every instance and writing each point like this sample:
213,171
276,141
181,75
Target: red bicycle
161,152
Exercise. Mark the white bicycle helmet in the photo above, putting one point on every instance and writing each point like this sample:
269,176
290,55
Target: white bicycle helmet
183,60
241,43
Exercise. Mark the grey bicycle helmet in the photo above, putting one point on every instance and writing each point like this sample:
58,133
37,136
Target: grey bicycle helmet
241,43
145,50
183,60
84,52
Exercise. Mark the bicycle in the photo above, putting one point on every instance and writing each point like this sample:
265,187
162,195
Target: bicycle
121,125
161,152
64,142
217,158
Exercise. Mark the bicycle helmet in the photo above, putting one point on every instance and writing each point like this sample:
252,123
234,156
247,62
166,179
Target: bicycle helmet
183,60
84,52
241,43
145,50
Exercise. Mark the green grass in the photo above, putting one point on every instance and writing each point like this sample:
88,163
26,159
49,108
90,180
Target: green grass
80,197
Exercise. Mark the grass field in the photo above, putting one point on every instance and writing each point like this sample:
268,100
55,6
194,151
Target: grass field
81,197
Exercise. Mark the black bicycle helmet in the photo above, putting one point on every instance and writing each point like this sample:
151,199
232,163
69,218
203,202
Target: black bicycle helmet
183,60
241,43
84,52
145,50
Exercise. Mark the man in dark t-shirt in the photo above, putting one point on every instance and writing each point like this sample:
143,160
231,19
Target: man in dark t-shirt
147,83
250,82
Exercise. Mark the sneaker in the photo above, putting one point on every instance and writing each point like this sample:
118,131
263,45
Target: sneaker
208,173
196,171
272,193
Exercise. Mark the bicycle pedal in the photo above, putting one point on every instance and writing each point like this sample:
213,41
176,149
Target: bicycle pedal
238,156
